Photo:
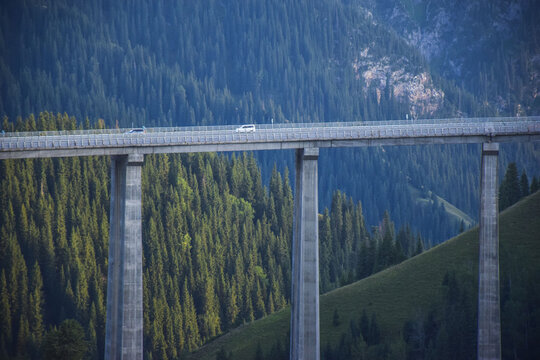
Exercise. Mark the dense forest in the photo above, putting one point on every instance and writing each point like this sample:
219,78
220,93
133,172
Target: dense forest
445,327
157,63
217,227
217,246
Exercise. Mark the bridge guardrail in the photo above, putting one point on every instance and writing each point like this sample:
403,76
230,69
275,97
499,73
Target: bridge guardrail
288,125
319,131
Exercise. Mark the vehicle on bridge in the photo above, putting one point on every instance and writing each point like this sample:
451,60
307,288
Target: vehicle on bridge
246,128
140,130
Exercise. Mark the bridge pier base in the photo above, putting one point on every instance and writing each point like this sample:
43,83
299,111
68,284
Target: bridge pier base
305,342
124,328
489,322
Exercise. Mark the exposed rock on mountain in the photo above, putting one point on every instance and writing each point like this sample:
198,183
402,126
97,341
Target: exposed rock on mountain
391,77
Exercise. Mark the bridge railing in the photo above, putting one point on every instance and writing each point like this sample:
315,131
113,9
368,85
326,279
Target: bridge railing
325,131
291,126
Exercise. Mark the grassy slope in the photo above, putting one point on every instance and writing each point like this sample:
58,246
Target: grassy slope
449,207
398,292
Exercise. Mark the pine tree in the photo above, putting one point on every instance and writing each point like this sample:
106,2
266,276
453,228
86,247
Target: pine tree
92,332
35,306
419,246
385,252
374,332
23,337
336,218
210,323
178,322
191,329
509,191
259,301
335,319
232,309
524,184
6,331
248,314
535,185
325,251
364,326
364,268
66,342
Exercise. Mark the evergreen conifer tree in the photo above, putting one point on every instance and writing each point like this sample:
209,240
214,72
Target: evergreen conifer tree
5,317
535,185
524,184
509,191
66,342
35,306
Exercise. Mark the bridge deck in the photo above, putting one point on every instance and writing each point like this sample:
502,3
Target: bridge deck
267,137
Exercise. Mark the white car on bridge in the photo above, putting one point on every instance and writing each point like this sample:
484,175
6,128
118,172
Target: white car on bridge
246,128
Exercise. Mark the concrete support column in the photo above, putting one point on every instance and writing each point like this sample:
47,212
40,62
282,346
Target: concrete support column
305,343
489,319
124,329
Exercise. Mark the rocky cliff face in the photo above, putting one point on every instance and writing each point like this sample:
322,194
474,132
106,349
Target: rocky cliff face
392,77
491,47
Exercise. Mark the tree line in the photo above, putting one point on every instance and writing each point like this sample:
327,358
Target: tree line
216,241
514,187
186,63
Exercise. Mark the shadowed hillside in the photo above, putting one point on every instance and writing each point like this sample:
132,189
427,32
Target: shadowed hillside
401,292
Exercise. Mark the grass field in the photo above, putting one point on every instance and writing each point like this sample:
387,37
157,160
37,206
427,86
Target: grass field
399,292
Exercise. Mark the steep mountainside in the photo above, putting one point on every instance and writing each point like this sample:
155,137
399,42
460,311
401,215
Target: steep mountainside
491,47
187,63
216,247
222,62
413,292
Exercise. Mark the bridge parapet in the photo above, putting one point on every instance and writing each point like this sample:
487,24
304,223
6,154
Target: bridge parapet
266,137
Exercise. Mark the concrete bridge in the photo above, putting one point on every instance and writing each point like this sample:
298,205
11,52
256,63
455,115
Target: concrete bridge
124,329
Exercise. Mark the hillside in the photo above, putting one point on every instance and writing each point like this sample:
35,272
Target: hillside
402,291
217,227
232,62
491,47
428,198
216,246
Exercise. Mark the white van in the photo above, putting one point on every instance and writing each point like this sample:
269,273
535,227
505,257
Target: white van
246,128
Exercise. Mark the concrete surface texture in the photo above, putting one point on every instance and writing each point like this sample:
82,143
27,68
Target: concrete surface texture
305,342
124,328
489,322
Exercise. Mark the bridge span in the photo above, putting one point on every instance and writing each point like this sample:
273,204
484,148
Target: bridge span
267,137
124,327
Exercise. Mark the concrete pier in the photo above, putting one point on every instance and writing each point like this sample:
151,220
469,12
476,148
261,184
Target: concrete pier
124,329
305,342
489,322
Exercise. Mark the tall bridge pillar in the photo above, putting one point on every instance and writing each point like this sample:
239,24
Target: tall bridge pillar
124,328
489,322
305,343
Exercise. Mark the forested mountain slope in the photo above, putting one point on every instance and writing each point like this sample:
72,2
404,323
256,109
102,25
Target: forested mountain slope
215,62
423,308
491,47
217,227
216,247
